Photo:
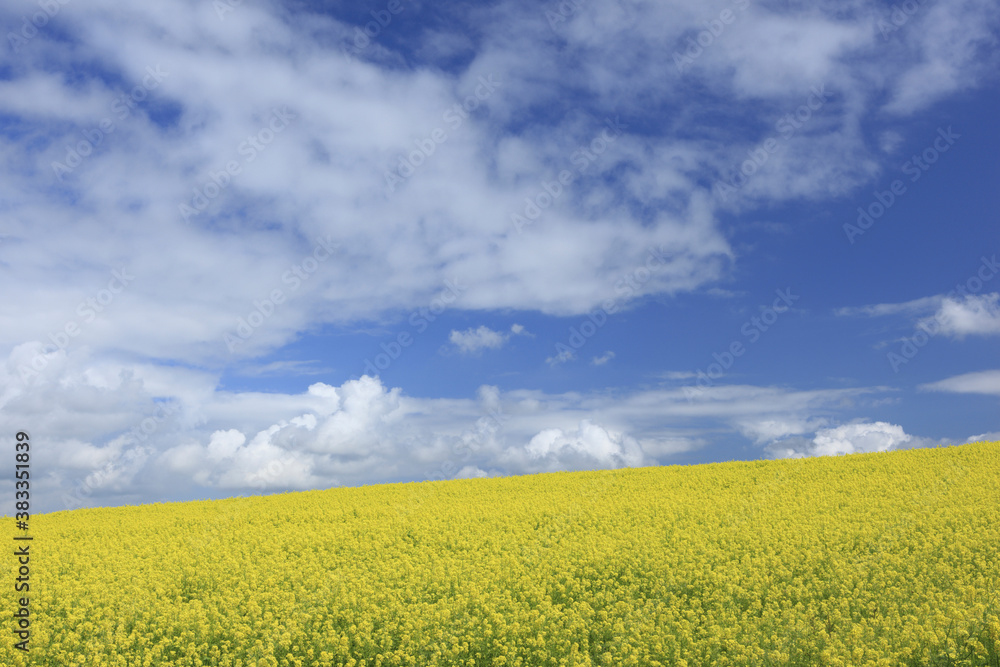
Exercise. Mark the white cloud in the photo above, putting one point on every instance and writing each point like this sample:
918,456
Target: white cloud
348,424
853,438
976,315
857,438
678,375
587,446
283,368
224,444
889,141
763,431
321,162
225,78
914,307
950,41
957,317
476,340
981,382
470,472
110,426
663,448
472,341
603,359
564,355
993,436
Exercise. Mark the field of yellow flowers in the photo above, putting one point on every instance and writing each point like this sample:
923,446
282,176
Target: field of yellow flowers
874,559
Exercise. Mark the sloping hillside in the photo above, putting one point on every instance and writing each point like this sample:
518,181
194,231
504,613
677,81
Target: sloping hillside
874,559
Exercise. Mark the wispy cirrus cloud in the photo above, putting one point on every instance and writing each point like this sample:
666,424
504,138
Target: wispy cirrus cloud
908,308
954,316
979,382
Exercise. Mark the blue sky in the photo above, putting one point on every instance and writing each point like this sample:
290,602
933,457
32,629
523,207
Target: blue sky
260,247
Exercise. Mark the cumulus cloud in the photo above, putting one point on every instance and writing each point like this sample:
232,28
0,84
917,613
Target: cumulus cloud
589,445
472,341
345,431
126,432
853,438
224,444
858,438
470,472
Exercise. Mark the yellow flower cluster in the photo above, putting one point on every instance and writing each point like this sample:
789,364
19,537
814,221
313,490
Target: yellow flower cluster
865,560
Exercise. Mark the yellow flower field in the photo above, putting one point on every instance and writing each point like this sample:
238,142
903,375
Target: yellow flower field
873,559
